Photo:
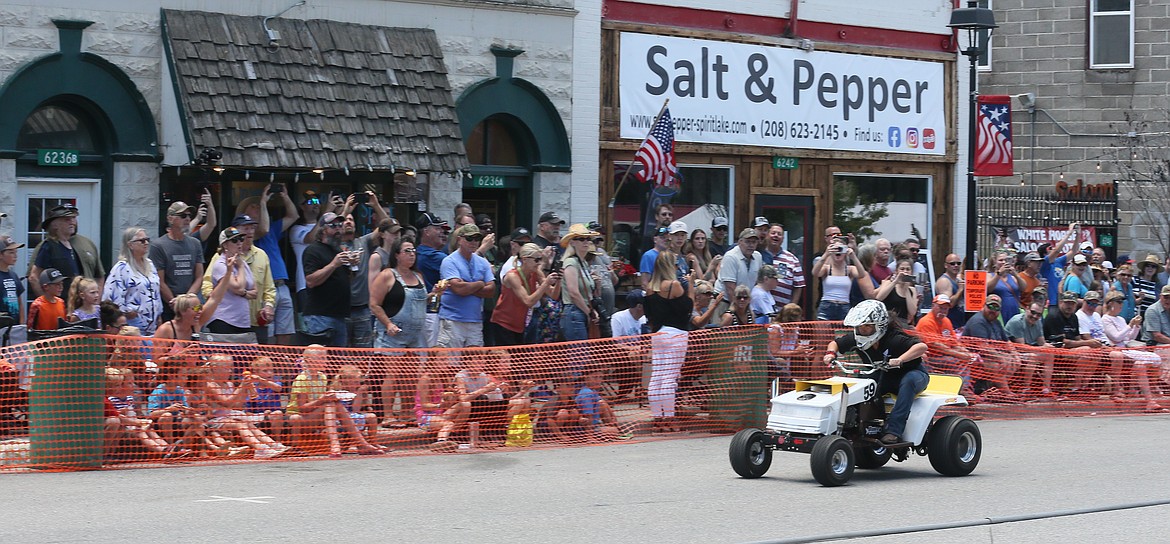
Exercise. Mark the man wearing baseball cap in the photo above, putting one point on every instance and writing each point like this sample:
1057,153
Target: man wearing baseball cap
432,240
1030,277
178,256
516,240
548,230
717,238
469,281
938,332
327,278
646,264
11,288
741,266
999,365
761,224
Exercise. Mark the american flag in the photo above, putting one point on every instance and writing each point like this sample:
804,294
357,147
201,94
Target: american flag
657,154
993,149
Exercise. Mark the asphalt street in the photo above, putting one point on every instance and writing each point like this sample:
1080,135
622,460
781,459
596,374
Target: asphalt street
666,491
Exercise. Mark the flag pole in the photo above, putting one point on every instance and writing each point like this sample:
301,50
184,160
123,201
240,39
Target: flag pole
627,174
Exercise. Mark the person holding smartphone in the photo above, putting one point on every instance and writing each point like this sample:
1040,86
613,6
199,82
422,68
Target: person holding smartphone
899,292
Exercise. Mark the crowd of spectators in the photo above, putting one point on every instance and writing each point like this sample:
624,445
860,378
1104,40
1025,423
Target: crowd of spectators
400,287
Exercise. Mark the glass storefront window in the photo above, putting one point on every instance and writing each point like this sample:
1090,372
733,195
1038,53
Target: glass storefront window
704,193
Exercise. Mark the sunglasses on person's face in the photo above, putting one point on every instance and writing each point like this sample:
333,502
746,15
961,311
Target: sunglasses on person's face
313,202
410,250
473,238
1092,303
1034,313
1125,275
185,215
955,263
335,225
993,307
140,241
741,297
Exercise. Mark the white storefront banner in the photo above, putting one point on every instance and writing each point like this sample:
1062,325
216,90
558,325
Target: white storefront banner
733,93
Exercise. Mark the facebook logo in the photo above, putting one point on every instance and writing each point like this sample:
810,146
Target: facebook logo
895,138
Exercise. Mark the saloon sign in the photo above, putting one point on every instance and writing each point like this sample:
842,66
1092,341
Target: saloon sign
742,94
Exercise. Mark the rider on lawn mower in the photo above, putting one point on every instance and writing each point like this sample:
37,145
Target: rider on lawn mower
875,338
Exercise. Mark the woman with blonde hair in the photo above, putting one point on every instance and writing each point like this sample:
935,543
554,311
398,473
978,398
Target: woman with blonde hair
133,282
522,288
668,310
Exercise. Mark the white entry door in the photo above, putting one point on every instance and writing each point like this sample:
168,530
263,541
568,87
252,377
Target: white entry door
36,196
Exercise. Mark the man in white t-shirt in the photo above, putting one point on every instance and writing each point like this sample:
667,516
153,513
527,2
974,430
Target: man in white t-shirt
629,322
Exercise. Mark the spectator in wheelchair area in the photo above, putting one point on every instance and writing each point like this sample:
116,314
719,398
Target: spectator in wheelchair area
873,337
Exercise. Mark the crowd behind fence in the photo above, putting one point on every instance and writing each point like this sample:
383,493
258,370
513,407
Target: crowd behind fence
95,401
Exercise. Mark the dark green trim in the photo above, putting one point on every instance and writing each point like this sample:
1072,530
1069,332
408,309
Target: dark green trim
134,157
176,84
528,105
550,168
85,80
11,154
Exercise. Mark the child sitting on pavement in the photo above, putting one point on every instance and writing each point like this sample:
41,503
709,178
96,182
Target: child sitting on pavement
263,405
119,392
353,394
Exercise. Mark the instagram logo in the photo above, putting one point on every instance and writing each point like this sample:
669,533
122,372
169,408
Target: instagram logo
912,137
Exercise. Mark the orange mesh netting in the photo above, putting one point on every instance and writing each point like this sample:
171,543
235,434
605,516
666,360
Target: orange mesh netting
89,402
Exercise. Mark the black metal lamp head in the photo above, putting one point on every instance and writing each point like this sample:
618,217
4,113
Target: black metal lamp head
979,24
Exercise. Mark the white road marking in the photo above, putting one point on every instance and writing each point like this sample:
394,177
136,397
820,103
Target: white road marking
217,498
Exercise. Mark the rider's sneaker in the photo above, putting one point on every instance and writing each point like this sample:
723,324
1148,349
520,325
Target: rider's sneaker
890,438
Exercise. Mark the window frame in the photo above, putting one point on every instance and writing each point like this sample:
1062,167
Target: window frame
1094,15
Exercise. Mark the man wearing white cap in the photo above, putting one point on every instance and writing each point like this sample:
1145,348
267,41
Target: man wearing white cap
947,355
646,265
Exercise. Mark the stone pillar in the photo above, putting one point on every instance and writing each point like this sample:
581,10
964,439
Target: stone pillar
136,194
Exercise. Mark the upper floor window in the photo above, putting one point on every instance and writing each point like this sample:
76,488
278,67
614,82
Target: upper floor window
983,63
1111,34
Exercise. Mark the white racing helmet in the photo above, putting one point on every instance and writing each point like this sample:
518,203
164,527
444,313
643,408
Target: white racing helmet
868,312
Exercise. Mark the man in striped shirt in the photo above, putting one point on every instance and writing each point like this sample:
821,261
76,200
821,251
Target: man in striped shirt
790,273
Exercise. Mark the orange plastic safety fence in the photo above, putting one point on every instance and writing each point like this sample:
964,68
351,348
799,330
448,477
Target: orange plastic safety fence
90,402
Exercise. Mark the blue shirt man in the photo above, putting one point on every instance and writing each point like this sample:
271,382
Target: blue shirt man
469,281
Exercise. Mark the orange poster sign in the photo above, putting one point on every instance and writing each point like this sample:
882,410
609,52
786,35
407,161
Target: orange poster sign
976,292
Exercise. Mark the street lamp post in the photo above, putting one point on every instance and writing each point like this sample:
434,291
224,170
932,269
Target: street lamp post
978,23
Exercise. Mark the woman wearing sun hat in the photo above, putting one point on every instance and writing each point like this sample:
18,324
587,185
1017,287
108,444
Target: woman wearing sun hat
1145,283
579,285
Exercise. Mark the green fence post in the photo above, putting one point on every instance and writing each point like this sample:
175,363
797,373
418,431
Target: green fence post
739,377
66,406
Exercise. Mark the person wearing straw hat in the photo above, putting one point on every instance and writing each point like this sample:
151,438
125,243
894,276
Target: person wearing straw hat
579,284
1145,283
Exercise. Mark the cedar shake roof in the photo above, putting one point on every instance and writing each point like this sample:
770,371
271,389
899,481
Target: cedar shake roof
331,95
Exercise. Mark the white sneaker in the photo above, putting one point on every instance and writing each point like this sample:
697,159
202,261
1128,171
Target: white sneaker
278,449
263,451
